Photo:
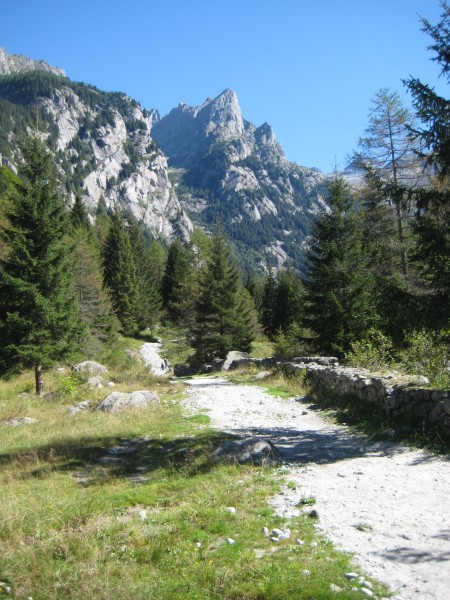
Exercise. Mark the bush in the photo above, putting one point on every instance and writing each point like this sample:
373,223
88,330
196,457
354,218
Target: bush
373,352
427,353
291,343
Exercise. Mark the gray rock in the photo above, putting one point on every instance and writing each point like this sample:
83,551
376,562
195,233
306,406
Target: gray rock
262,375
232,356
121,400
249,450
90,366
96,382
21,421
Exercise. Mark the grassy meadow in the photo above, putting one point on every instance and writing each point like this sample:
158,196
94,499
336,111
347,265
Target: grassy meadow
130,505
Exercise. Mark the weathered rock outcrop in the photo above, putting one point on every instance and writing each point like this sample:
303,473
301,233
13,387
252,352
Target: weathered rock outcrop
121,401
13,63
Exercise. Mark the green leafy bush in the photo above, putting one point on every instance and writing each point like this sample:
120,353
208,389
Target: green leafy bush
372,352
427,353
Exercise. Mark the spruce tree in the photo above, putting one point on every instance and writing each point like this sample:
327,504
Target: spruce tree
149,298
224,312
121,274
177,281
269,300
38,316
338,306
432,225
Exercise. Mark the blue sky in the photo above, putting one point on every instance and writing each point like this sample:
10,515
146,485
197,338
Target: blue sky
308,67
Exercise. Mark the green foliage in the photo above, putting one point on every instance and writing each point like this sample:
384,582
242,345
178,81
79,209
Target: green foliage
224,314
177,281
120,274
292,341
372,352
339,307
427,353
38,316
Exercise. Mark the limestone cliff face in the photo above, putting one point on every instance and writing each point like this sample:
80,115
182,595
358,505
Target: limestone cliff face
252,188
111,150
103,145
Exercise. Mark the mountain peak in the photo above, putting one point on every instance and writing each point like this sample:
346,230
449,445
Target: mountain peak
15,63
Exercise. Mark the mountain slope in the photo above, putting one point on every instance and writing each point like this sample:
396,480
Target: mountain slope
227,169
222,168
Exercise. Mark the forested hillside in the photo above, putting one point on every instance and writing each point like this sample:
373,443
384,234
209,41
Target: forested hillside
77,266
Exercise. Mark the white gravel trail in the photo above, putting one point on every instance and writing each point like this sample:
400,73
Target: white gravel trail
386,504
150,354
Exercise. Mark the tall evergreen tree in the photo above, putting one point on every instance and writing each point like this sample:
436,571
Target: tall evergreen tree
149,297
79,215
96,315
177,280
269,300
121,274
432,224
337,287
224,313
38,316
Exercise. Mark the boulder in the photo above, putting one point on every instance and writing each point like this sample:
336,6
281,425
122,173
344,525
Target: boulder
248,450
90,366
122,400
232,356
95,382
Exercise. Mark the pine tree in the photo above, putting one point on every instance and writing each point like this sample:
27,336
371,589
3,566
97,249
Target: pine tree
79,215
149,298
224,312
338,305
121,274
38,316
432,224
177,281
268,307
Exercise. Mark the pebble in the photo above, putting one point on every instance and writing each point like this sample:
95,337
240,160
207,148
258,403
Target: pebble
275,539
198,544
314,544
230,541
367,592
143,515
300,542
335,588
306,572
231,510
265,531
351,575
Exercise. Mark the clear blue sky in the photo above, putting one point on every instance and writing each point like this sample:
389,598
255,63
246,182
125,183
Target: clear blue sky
308,67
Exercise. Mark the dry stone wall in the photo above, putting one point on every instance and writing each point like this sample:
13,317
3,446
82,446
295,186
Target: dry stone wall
406,396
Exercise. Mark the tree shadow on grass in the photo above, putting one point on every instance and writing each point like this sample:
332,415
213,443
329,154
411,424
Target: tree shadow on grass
93,459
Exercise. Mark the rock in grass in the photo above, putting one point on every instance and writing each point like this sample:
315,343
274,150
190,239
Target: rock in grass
121,400
21,421
90,366
248,450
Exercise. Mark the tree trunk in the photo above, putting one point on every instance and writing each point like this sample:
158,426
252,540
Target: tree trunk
38,379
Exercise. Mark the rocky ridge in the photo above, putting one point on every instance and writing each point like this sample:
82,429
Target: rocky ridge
222,167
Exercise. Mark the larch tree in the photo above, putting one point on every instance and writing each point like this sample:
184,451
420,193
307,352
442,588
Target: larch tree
38,315
388,153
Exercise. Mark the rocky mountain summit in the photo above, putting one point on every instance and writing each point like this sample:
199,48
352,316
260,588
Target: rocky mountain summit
242,175
15,63
194,166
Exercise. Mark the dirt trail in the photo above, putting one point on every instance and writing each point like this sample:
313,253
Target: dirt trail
386,504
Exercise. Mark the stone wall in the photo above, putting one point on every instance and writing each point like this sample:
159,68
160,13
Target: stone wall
406,396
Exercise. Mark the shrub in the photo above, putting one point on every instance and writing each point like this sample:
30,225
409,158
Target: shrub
427,353
372,352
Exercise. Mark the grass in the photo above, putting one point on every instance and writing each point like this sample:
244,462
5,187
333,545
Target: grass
71,524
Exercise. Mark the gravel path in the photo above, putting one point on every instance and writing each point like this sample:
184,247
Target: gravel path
150,354
386,504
